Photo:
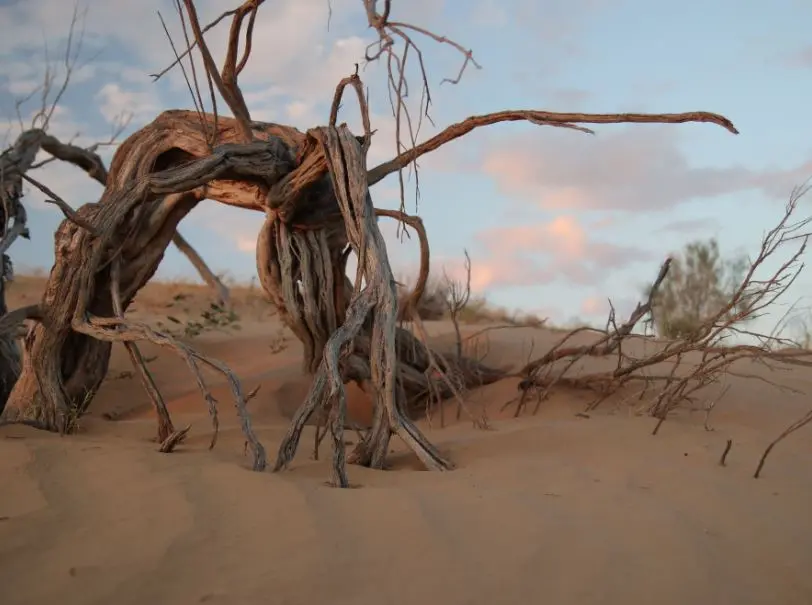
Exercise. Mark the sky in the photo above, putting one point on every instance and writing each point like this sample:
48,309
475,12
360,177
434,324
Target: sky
556,222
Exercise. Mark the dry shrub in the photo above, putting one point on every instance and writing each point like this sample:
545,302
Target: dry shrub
434,305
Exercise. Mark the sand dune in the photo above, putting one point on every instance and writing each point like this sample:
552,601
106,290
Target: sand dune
551,508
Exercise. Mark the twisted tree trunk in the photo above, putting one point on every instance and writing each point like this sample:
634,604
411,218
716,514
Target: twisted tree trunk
157,176
65,364
15,162
10,359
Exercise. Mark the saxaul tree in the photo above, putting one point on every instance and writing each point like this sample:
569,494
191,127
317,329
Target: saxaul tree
313,191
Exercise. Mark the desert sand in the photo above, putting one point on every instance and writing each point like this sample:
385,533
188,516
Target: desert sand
551,508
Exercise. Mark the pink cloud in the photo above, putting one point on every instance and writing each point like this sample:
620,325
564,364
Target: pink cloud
563,238
593,305
625,169
488,272
802,58
691,225
562,235
557,250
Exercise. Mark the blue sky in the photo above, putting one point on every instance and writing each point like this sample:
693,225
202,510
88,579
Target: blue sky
555,221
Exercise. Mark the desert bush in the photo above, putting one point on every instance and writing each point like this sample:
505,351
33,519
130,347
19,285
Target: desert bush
435,304
106,252
699,284
432,305
216,317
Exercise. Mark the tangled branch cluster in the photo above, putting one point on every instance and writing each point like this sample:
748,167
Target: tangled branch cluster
678,371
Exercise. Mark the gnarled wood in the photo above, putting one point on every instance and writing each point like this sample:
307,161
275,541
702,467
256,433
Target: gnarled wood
89,161
151,186
15,162
375,307
157,176
313,189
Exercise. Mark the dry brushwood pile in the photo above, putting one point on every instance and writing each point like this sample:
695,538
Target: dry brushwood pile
313,189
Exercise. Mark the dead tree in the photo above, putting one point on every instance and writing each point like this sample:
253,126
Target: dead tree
313,189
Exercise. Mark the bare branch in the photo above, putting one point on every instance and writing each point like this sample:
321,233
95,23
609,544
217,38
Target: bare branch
67,211
226,82
540,118
686,380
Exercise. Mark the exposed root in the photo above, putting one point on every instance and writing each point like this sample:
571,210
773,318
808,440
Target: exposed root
798,424
378,299
165,427
118,330
173,439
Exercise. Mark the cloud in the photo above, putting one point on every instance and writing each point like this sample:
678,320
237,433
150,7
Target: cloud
631,168
69,182
560,250
691,225
562,238
594,305
801,58
115,102
557,250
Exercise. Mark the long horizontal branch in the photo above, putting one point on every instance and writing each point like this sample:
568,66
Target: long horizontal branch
541,118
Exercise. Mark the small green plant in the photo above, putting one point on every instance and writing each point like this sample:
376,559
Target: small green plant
75,412
279,342
216,317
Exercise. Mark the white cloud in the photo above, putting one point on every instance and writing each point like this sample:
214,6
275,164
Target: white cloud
631,168
114,102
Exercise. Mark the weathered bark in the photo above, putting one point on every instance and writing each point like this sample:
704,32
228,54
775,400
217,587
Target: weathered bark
14,162
89,161
367,345
313,189
10,359
135,219
154,181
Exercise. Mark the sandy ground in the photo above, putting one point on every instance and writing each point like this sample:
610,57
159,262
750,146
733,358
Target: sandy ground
553,508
